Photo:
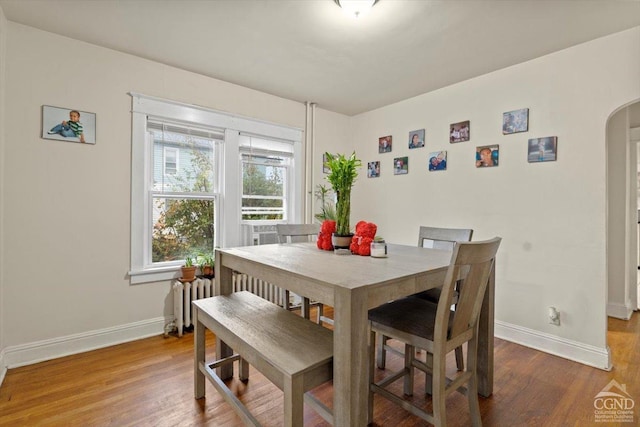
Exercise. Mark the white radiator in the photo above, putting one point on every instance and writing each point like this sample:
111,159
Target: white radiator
184,293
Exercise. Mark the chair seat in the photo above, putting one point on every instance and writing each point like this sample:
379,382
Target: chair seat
418,316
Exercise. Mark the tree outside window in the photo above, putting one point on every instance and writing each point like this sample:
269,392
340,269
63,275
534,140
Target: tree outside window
184,204
263,187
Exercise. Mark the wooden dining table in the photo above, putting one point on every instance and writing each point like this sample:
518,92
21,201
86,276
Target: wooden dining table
352,284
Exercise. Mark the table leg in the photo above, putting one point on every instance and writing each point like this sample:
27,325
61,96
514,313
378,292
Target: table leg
485,338
350,359
223,286
199,352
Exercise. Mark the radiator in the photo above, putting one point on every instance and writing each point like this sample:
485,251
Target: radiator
184,293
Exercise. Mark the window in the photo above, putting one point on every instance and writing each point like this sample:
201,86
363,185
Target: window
198,175
183,204
170,161
265,179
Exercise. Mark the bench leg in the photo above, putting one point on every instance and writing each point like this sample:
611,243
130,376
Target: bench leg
243,370
223,351
306,308
199,346
294,402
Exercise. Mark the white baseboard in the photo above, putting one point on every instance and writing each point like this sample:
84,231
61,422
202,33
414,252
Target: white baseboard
3,367
568,349
619,311
27,354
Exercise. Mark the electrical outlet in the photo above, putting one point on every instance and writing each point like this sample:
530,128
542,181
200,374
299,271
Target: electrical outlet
554,316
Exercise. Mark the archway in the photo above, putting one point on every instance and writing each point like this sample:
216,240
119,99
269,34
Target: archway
622,211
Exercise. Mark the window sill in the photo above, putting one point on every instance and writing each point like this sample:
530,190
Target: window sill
154,275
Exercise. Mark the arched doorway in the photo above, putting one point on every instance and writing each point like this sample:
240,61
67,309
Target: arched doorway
623,158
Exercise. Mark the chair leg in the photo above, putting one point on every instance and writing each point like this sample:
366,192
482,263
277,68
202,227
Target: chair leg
409,356
372,364
459,359
320,313
472,386
286,304
438,392
428,378
381,357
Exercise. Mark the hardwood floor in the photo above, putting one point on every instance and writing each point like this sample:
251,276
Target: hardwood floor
150,383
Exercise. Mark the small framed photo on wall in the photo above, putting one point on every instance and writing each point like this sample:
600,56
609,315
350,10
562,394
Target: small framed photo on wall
325,167
373,169
385,144
487,156
459,132
67,124
438,161
401,165
542,149
515,121
416,138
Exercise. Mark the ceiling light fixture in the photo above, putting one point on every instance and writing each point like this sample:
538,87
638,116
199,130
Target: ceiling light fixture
356,8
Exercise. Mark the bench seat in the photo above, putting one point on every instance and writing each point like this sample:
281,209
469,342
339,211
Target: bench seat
292,352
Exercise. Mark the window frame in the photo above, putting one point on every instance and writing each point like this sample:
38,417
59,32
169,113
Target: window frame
228,191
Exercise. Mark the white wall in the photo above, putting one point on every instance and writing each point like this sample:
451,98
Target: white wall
551,216
3,32
634,115
332,135
67,205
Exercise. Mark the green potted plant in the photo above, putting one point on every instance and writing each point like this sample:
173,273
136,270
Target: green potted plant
188,270
206,263
343,172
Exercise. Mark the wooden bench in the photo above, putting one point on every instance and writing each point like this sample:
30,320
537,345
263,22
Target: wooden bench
292,352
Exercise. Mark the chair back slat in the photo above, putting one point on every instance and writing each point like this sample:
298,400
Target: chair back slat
443,238
296,233
471,263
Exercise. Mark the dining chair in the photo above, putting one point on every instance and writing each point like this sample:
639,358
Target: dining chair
438,330
437,238
296,233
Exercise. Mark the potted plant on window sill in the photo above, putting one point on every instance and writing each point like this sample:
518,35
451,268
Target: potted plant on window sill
343,172
188,270
206,265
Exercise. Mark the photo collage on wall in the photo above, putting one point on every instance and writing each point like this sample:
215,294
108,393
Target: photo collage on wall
542,149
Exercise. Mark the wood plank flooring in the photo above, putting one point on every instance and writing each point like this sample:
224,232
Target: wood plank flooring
150,383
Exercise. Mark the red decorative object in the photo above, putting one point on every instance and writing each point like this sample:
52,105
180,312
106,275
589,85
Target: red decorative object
327,228
361,242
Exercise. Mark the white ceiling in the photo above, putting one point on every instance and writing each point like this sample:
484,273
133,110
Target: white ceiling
308,50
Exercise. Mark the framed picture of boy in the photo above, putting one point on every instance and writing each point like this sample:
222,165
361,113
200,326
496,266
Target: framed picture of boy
66,124
487,156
